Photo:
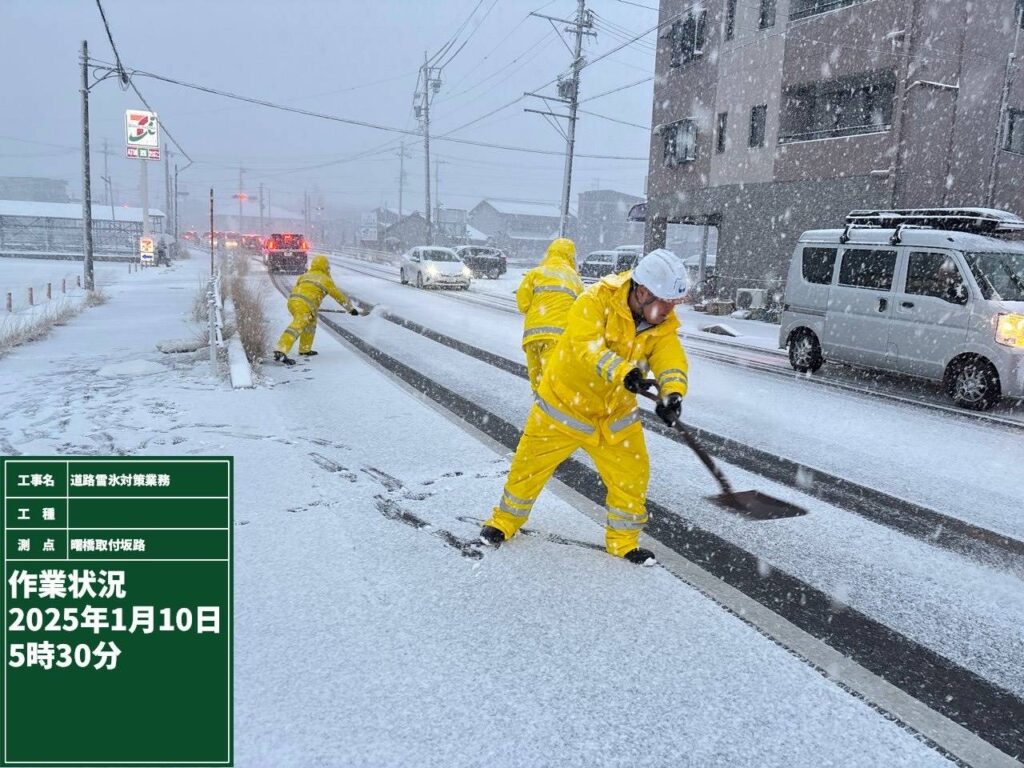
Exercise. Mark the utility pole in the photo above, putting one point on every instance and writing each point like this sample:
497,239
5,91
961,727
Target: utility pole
568,94
176,202
241,197
168,203
212,238
144,183
431,79
401,176
106,174
437,192
87,277
261,209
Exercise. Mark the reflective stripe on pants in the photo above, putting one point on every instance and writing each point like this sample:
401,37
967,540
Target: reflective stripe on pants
624,468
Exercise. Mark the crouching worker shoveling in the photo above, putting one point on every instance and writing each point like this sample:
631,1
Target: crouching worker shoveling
587,399
304,302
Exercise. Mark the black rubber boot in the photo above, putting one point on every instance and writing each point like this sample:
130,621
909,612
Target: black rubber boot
491,536
640,556
310,353
281,357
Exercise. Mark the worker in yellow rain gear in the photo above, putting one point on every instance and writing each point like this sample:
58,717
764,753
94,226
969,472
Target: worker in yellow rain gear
304,301
618,328
545,295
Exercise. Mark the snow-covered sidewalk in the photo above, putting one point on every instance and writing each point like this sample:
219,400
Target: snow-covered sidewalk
367,632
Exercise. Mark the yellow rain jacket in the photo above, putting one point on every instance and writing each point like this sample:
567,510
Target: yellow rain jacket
581,390
304,301
548,291
316,284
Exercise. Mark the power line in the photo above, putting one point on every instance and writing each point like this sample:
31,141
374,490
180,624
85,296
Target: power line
361,123
117,57
616,90
616,120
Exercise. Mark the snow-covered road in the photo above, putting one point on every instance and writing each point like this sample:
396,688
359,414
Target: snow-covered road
368,630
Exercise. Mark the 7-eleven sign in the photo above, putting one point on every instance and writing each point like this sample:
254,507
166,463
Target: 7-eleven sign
142,134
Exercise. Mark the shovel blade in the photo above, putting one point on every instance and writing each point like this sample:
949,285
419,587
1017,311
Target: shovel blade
757,505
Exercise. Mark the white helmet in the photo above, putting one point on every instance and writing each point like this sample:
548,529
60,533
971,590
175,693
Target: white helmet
663,274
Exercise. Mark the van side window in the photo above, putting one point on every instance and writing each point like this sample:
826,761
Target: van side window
935,274
863,268
818,264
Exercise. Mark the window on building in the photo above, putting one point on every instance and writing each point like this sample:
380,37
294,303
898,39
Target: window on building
758,118
798,9
766,18
818,264
864,268
687,37
1015,131
935,274
845,107
723,119
730,19
679,143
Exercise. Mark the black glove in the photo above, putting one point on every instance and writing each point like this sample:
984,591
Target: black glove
632,380
354,311
670,408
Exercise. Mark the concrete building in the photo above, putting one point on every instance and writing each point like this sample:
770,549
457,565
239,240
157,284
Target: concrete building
522,230
772,117
602,223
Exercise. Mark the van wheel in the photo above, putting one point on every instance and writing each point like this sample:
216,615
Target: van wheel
401,277
805,351
972,382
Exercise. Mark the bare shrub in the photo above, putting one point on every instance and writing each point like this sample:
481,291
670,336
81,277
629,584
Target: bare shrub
250,317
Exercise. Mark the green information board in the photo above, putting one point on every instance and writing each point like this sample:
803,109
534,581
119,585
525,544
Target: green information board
118,611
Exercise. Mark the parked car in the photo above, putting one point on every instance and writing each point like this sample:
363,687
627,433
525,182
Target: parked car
597,264
931,293
431,265
483,261
286,251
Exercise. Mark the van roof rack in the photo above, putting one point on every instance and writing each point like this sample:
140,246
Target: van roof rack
985,221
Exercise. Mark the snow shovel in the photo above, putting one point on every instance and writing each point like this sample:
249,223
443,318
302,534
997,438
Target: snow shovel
752,504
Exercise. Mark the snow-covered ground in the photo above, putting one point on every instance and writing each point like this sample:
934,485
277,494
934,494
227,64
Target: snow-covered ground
368,634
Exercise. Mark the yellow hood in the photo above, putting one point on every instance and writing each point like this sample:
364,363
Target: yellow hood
320,264
561,253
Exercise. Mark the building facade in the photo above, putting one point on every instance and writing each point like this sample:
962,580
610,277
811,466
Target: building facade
602,222
772,117
522,230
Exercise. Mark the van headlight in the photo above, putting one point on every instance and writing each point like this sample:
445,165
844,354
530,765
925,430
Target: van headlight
1010,330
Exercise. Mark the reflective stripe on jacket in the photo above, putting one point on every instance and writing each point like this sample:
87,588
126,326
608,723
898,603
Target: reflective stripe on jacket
581,389
548,291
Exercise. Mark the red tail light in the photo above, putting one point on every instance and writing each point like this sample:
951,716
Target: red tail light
305,244
271,244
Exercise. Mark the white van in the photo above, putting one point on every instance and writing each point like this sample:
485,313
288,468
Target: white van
934,293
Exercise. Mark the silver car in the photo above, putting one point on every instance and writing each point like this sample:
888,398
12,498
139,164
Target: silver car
430,266
931,293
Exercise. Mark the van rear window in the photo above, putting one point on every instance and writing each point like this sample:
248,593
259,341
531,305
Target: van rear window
863,268
818,264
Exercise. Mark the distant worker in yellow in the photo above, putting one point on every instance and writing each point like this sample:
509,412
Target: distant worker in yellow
545,296
309,291
619,328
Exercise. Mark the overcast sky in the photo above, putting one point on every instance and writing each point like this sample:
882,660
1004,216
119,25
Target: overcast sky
356,60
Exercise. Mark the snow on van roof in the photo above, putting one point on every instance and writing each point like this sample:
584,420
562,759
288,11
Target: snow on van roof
932,238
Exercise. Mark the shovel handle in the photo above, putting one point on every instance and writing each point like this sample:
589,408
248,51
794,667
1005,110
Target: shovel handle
691,441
